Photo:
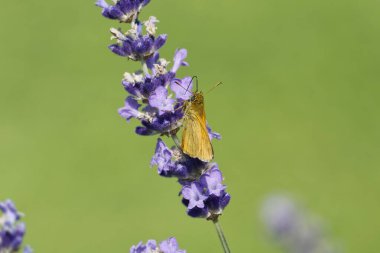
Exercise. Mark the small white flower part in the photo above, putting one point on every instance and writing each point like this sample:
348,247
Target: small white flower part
133,32
177,154
160,68
150,25
128,17
128,77
117,34
136,77
139,77
163,62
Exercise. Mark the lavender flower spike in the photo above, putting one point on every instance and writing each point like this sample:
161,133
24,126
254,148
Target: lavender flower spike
168,246
12,230
156,98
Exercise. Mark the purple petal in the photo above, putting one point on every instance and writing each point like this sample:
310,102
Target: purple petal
225,200
160,100
162,158
194,195
213,135
130,109
160,41
213,181
152,60
145,2
151,244
143,45
169,246
182,88
28,249
115,48
101,3
179,57
144,131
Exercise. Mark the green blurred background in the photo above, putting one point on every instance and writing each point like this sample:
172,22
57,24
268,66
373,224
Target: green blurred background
298,112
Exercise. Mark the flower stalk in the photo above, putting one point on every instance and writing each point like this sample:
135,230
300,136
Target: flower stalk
221,236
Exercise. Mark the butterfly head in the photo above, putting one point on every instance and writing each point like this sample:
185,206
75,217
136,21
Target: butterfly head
197,97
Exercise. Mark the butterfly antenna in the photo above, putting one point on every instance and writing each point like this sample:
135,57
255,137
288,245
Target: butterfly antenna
180,85
186,89
196,82
216,85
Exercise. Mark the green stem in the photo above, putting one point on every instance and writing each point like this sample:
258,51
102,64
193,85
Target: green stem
176,140
145,68
221,236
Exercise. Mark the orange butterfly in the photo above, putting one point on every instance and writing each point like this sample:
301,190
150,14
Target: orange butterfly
196,141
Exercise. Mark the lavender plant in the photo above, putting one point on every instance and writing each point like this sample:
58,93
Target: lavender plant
12,230
293,229
156,96
168,246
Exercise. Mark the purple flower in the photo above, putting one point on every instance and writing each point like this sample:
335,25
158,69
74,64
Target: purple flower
182,88
292,228
10,213
12,230
142,87
213,135
194,194
212,180
130,109
203,191
161,124
159,99
162,114
206,197
28,249
139,248
123,10
135,45
179,60
163,159
168,246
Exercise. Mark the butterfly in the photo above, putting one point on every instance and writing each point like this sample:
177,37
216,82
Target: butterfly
196,141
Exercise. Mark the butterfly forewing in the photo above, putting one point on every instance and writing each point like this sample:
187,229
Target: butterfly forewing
195,139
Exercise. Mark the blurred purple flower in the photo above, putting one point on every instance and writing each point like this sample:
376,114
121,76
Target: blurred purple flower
168,246
12,230
292,228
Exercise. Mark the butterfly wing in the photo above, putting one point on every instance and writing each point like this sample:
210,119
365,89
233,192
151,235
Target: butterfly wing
195,139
